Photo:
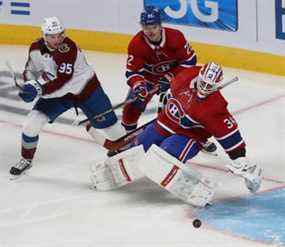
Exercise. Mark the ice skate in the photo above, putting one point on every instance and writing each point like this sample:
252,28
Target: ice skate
20,167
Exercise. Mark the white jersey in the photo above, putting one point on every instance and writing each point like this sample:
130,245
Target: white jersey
60,71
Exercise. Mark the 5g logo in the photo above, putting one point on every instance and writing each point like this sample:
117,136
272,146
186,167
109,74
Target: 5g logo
180,13
216,14
280,18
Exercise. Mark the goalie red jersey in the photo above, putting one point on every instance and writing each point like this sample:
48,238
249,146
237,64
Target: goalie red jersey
148,61
187,113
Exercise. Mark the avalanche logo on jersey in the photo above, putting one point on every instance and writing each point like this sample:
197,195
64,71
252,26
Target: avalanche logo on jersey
175,113
64,48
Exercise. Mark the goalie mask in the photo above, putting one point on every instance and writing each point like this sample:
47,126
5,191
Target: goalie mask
209,79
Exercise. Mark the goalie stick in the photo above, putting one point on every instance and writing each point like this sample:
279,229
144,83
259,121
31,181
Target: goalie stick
227,83
113,108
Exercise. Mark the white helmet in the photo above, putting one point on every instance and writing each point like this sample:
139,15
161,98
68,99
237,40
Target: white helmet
209,78
52,25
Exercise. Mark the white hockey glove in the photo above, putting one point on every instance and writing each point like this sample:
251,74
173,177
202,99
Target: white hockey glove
250,172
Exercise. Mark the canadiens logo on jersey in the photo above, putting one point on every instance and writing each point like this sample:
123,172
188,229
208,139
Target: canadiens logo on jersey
175,112
159,68
64,48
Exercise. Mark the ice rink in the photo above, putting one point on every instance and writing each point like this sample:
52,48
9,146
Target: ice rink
52,206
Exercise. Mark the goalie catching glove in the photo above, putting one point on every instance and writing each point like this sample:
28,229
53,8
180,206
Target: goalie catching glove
250,172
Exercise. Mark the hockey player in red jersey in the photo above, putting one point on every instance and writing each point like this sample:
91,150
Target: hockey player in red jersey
59,78
195,110
155,55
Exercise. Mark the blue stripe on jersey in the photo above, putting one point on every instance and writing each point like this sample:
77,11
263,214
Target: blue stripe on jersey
148,67
29,138
192,61
230,141
130,73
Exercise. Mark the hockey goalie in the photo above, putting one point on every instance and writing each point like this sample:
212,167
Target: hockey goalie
194,111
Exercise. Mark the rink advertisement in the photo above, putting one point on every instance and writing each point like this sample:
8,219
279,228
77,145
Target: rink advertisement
234,33
280,19
220,15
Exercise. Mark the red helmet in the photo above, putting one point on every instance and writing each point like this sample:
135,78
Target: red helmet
209,78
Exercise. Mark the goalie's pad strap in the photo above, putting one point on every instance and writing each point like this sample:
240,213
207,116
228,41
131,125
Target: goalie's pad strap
171,174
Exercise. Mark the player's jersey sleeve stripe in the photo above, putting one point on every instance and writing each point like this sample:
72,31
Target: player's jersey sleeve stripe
190,62
227,135
148,67
231,140
130,74
235,146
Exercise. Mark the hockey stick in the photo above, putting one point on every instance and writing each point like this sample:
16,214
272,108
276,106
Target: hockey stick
126,139
76,122
225,84
13,74
115,146
114,108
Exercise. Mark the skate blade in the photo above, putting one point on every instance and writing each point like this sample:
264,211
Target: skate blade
16,177
92,187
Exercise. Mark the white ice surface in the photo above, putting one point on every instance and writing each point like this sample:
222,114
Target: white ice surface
52,205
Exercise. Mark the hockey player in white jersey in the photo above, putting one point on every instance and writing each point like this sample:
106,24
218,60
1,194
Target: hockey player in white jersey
59,78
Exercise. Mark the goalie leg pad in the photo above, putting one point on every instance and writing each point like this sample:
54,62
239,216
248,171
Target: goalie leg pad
118,170
172,175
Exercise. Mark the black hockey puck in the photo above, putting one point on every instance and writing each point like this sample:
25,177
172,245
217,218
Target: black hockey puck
197,223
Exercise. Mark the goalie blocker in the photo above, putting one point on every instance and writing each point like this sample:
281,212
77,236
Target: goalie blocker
180,180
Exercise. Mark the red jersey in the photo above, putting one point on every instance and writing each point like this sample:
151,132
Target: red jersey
149,62
187,114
